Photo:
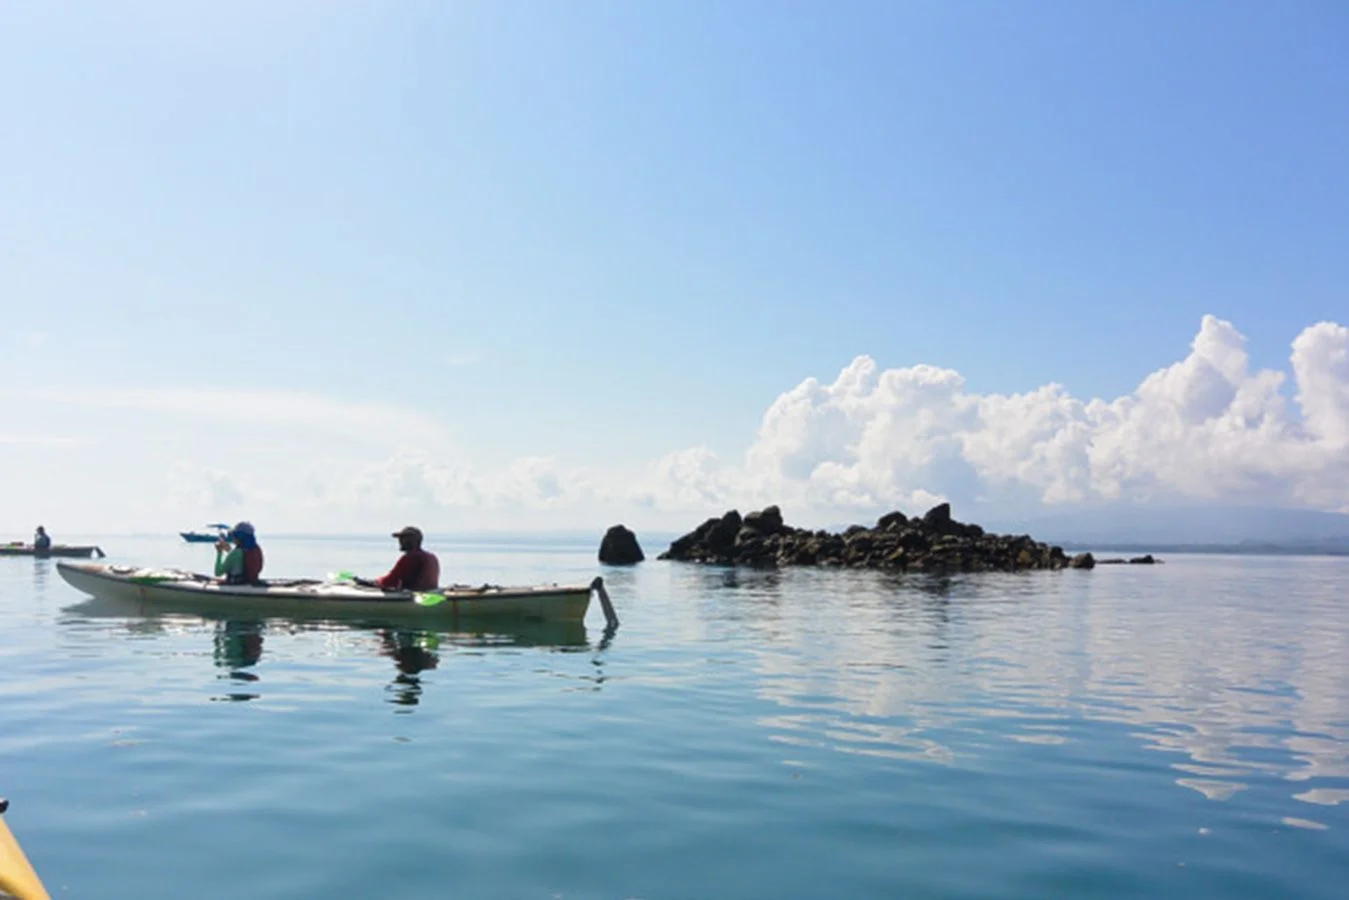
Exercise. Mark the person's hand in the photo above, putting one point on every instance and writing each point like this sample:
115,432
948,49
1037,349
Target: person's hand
222,544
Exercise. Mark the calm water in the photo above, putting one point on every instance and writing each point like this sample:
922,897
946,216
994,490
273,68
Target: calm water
1176,731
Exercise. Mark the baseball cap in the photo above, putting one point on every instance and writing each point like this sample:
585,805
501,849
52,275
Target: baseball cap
409,531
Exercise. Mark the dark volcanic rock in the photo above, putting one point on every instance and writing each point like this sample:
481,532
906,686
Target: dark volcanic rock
1083,561
767,521
620,547
722,534
938,517
892,521
1143,560
934,543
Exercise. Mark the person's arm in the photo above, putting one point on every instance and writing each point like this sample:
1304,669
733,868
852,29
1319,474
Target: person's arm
231,563
397,575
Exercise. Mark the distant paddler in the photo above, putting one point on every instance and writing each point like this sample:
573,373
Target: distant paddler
17,878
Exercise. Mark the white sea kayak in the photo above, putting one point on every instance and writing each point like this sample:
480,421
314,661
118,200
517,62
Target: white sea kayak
175,589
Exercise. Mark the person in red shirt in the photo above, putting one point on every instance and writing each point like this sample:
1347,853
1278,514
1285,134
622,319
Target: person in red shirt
416,569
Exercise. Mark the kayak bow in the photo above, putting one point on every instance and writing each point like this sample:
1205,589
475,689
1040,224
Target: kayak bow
17,878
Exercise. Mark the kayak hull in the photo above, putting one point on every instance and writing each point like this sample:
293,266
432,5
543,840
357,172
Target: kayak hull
171,590
61,551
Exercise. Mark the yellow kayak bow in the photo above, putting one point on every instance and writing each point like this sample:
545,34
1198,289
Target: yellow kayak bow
17,878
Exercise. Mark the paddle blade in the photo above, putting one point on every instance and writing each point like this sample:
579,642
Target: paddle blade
17,877
344,575
430,599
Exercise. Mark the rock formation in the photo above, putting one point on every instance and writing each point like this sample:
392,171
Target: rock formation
620,547
934,543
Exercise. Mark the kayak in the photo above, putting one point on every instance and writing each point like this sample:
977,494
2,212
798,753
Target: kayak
17,878
58,550
177,590
218,531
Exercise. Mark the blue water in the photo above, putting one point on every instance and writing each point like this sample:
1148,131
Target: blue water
1177,731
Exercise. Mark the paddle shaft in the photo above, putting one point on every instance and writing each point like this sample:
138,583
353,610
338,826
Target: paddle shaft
17,878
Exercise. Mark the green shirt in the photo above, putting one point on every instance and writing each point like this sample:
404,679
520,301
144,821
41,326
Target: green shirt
230,565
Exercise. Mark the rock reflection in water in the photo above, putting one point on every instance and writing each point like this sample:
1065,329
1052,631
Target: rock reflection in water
1238,687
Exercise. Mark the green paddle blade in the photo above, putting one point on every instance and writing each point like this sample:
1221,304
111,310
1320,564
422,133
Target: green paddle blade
430,599
344,575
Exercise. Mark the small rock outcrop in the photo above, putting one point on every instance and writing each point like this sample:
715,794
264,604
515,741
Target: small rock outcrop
1082,561
1147,560
620,548
933,543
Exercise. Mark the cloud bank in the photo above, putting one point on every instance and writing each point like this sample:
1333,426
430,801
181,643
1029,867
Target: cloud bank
1207,428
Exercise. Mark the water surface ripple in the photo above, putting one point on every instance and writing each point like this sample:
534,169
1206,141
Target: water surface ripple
1180,730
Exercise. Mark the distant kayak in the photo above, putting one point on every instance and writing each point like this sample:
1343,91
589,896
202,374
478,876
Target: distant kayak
67,551
17,878
218,531
177,590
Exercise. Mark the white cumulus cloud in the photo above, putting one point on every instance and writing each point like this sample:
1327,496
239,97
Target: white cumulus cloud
1206,428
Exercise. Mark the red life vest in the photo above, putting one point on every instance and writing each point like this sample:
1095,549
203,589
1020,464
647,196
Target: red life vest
252,565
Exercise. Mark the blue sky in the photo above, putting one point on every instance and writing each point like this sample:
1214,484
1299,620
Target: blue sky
590,236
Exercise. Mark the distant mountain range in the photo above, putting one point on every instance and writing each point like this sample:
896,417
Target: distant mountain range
1211,529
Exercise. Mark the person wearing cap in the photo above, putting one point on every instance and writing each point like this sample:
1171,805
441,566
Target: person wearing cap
42,542
243,563
416,569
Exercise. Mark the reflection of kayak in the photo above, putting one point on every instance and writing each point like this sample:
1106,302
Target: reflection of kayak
17,878
141,621
173,589
64,550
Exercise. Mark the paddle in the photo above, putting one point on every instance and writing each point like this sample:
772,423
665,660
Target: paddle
345,577
430,599
421,598
434,598
17,878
